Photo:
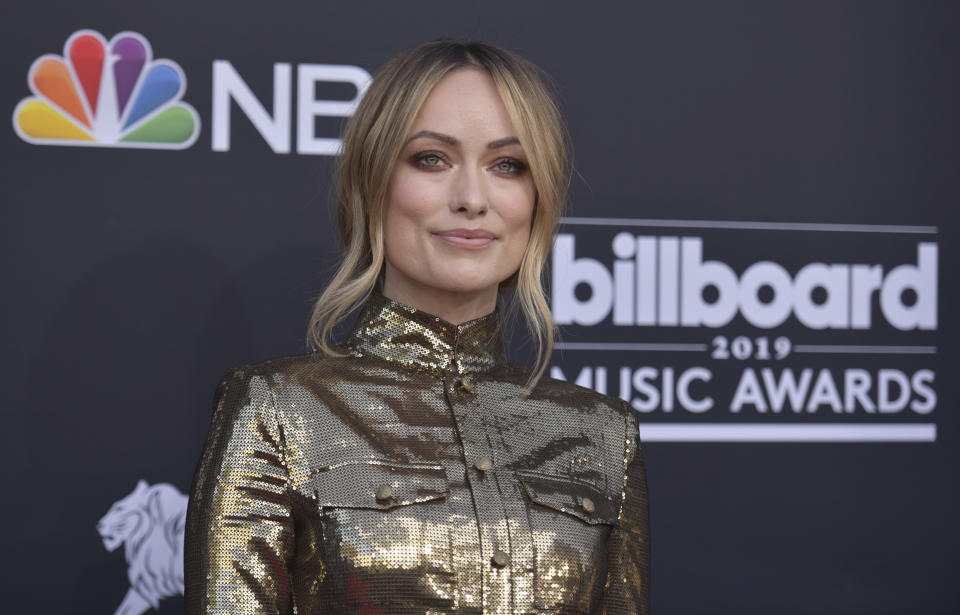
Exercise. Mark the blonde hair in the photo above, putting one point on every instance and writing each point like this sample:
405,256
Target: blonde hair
372,141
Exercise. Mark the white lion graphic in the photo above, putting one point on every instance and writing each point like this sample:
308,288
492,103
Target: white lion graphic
149,523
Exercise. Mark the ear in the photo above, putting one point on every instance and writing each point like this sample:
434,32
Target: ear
141,485
155,506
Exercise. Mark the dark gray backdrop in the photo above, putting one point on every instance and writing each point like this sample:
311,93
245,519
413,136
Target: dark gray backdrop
134,278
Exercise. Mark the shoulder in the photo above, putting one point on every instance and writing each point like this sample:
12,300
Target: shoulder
615,416
259,390
585,400
280,371
554,389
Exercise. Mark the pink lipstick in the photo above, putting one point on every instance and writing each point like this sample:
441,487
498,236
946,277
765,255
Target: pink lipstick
466,238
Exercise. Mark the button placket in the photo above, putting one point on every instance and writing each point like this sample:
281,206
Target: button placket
521,558
488,501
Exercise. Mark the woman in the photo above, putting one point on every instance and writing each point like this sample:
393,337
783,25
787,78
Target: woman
413,469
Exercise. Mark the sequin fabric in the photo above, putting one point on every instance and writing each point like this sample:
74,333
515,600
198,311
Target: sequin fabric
411,476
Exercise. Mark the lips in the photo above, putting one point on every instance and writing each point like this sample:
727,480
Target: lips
466,238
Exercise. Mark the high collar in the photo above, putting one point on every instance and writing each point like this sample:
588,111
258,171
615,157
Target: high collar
415,339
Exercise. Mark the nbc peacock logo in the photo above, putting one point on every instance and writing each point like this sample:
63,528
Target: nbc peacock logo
106,94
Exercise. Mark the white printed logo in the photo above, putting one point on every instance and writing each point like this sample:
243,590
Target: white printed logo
660,280
149,523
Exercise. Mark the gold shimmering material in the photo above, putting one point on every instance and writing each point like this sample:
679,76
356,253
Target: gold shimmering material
412,477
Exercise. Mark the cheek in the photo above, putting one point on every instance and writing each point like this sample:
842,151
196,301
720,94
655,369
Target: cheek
406,208
410,191
399,238
519,214
518,219
518,245
402,199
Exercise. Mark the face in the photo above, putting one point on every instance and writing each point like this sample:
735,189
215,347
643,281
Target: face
459,202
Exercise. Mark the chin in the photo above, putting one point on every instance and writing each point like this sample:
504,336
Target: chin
464,283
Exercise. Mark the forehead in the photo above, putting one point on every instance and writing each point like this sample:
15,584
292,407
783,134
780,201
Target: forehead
465,102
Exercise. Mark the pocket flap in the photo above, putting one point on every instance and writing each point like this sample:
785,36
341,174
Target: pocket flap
582,500
377,484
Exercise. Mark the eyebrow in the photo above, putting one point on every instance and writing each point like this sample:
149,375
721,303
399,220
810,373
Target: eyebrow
454,142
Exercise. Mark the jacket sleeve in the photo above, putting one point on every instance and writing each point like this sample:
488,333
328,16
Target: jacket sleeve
239,534
627,589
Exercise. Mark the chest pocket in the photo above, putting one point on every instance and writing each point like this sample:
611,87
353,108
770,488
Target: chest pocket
584,501
385,525
378,485
571,522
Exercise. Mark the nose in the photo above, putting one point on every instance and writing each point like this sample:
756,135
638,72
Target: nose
469,196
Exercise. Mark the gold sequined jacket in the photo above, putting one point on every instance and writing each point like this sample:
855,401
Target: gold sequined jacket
412,476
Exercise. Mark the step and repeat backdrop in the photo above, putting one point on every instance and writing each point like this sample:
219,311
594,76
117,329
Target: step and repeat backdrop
758,255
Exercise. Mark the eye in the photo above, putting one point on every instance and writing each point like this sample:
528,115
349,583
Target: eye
510,166
429,160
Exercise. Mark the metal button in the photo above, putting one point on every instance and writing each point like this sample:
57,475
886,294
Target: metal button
588,505
465,385
500,559
483,463
384,493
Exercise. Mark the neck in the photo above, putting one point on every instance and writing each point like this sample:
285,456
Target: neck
452,306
